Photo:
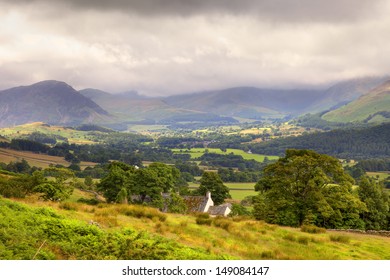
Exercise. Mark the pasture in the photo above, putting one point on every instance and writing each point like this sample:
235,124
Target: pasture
198,152
38,160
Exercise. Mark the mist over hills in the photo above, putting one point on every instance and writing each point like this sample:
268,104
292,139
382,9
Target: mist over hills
56,102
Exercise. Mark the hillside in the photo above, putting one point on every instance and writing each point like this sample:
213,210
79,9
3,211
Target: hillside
132,108
371,107
52,102
346,91
247,102
371,142
137,232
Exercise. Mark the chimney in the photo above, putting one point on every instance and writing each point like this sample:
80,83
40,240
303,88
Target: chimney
208,195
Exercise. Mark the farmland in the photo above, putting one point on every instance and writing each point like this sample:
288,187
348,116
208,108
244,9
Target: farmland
34,159
198,152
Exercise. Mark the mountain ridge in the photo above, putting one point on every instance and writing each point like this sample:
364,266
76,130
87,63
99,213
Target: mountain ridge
50,101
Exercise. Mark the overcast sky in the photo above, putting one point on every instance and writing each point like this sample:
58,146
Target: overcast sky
163,47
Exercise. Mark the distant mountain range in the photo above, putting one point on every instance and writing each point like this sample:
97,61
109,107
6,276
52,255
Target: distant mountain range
55,102
52,102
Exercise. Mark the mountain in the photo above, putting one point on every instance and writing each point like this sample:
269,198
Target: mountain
52,102
258,103
373,106
132,107
248,102
344,92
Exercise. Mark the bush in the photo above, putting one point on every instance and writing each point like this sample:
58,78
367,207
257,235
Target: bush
139,212
68,206
303,240
312,229
339,238
289,237
223,223
203,219
91,201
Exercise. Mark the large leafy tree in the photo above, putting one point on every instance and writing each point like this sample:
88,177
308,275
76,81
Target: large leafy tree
147,182
117,178
168,175
307,187
211,182
372,193
60,188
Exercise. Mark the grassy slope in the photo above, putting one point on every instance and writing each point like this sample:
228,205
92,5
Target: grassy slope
197,152
74,136
362,108
68,236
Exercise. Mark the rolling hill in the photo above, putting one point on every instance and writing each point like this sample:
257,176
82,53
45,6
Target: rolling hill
132,107
371,107
52,102
247,102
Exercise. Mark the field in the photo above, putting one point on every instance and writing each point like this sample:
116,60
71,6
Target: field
38,160
198,152
73,136
381,175
137,232
239,191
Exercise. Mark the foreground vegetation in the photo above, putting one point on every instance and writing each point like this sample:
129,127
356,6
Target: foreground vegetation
47,230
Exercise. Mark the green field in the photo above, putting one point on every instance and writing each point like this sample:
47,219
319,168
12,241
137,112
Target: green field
238,191
198,152
382,175
73,136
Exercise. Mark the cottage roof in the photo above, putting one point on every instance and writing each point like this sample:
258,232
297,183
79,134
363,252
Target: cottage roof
219,210
196,203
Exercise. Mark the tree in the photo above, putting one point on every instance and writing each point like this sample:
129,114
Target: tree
59,189
211,182
176,204
307,187
376,199
168,175
118,177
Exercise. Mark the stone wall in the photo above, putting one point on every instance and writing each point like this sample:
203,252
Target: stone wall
371,232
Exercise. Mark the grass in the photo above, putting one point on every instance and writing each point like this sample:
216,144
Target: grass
73,136
382,175
198,152
34,159
239,191
175,236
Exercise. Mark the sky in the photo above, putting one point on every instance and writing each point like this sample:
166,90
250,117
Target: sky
165,47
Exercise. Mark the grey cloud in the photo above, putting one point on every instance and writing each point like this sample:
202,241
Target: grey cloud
273,10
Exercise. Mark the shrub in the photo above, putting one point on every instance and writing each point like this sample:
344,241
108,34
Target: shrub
312,229
203,219
223,223
91,201
339,238
303,240
268,255
68,206
139,212
289,237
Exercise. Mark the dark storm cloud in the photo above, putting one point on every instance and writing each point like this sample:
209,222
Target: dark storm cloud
274,10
